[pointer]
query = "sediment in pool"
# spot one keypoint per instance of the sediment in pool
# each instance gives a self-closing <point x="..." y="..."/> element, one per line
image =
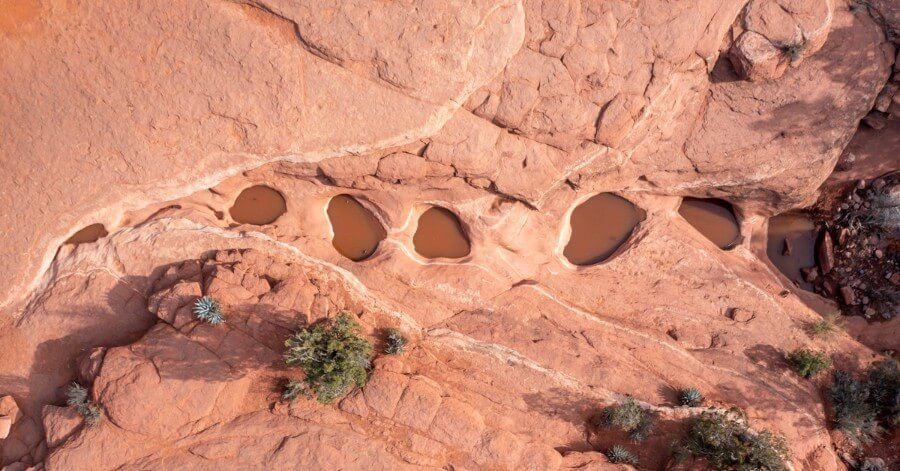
<point x="258" y="205"/>
<point x="791" y="246"/>
<point x="600" y="226"/>
<point x="439" y="234"/>
<point x="714" y="218"/>
<point x="88" y="234"/>
<point x="357" y="232"/>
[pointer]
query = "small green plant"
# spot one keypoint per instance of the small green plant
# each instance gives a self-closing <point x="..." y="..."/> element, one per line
<point x="727" y="443"/>
<point x="395" y="342"/>
<point x="333" y="356"/>
<point x="829" y="324"/>
<point x="808" y="363"/>
<point x="77" y="397"/>
<point x="691" y="397"/>
<point x="853" y="413"/>
<point x="873" y="464"/>
<point x="620" y="454"/>
<point x="208" y="309"/>
<point x="629" y="417"/>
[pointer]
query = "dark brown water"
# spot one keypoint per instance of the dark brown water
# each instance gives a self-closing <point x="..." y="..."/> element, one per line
<point x="714" y="219"/>
<point x="357" y="232"/>
<point x="88" y="234"/>
<point x="258" y="205"/>
<point x="798" y="233"/>
<point x="600" y="226"/>
<point x="440" y="234"/>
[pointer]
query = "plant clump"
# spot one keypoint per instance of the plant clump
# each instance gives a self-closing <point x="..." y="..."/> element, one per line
<point x="808" y="363"/>
<point x="862" y="408"/>
<point x="873" y="464"/>
<point x="794" y="50"/>
<point x="691" y="397"/>
<point x="620" y="454"/>
<point x="395" y="342"/>
<point x="629" y="417"/>
<point x="334" y="357"/>
<point x="77" y="397"/>
<point x="208" y="310"/>
<point x="726" y="442"/>
<point x="829" y="324"/>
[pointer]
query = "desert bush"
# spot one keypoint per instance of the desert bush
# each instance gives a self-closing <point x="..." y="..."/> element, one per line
<point x="77" y="397"/>
<point x="853" y="413"/>
<point x="691" y="397"/>
<point x="808" y="363"/>
<point x="208" y="309"/>
<point x="629" y="417"/>
<point x="333" y="356"/>
<point x="727" y="443"/>
<point x="395" y="342"/>
<point x="829" y="324"/>
<point x="620" y="454"/>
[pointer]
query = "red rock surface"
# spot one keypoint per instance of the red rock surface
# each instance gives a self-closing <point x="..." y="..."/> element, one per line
<point x="151" y="117"/>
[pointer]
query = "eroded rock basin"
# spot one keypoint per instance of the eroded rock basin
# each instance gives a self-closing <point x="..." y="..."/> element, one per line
<point x="439" y="234"/>
<point x="258" y="205"/>
<point x="714" y="218"/>
<point x="357" y="232"/>
<point x="791" y="246"/>
<point x="599" y="226"/>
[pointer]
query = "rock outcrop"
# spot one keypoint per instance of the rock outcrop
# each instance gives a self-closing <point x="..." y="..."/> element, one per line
<point x="151" y="118"/>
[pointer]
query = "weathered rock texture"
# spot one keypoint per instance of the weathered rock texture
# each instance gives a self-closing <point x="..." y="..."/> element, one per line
<point x="151" y="117"/>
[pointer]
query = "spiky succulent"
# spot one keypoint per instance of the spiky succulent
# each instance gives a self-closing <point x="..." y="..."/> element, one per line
<point x="691" y="397"/>
<point x="395" y="342"/>
<point x="208" y="309"/>
<point x="77" y="397"/>
<point x="620" y="454"/>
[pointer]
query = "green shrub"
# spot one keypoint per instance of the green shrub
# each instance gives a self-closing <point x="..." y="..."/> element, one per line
<point x="808" y="363"/>
<point x="395" y="342"/>
<point x="620" y="454"/>
<point x="691" y="397"/>
<point x="77" y="397"/>
<point x="727" y="443"/>
<point x="629" y="417"/>
<point x="853" y="413"/>
<point x="208" y="309"/>
<point x="829" y="324"/>
<point x="333" y="356"/>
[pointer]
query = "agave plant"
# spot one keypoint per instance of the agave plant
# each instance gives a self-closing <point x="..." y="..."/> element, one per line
<point x="620" y="454"/>
<point x="208" y="309"/>
<point x="691" y="397"/>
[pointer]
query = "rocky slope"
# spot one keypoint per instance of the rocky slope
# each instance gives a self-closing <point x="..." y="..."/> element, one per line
<point x="151" y="118"/>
